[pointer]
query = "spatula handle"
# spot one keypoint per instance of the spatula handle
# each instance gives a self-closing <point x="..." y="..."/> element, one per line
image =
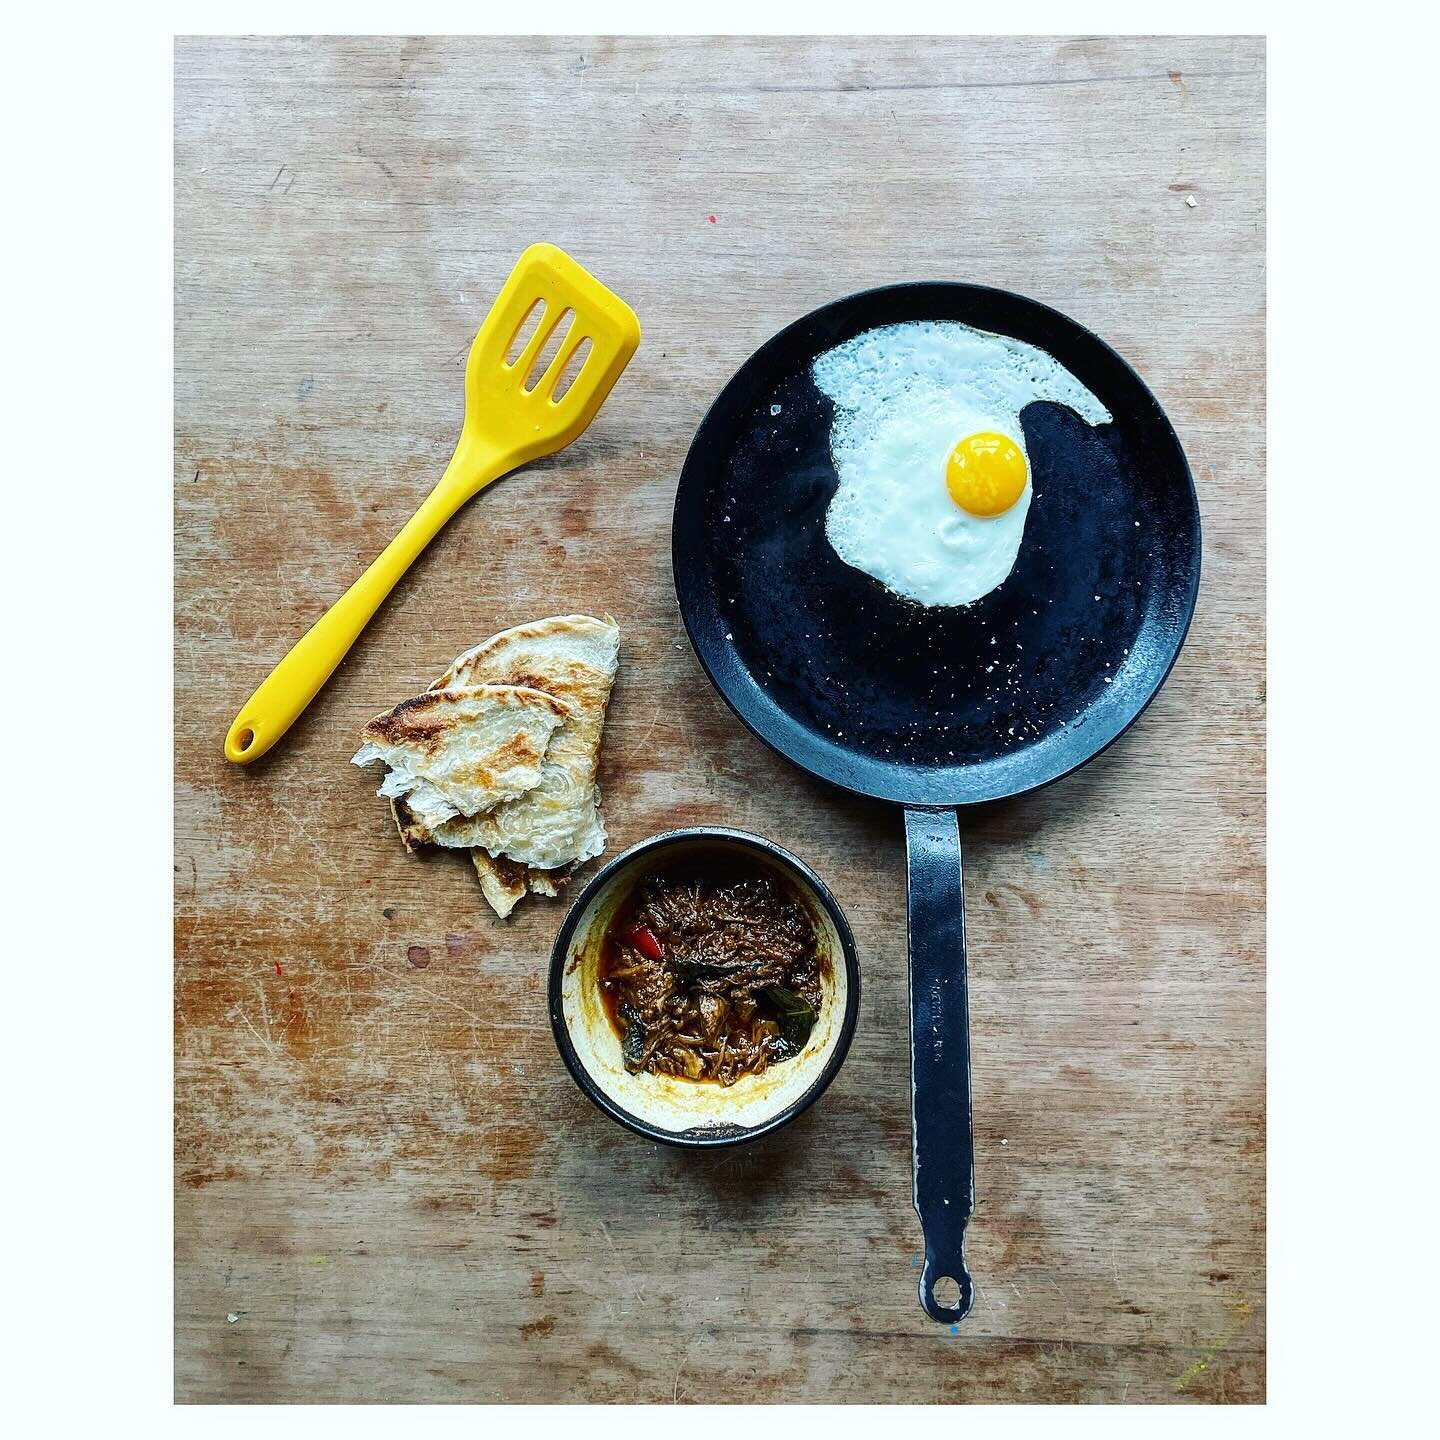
<point x="298" y="678"/>
<point x="940" y="1057"/>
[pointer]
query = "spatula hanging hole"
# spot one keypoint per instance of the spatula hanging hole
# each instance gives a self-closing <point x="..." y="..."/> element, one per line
<point x="947" y="1292"/>
<point x="552" y="343"/>
<point x="245" y="739"/>
<point x="571" y="373"/>
<point x="527" y="328"/>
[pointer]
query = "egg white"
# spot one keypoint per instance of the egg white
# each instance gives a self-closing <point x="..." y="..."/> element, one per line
<point x="905" y="395"/>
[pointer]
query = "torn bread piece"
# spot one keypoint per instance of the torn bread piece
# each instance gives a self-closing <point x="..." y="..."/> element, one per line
<point x="546" y="882"/>
<point x="411" y="831"/>
<point x="557" y="824"/>
<point x="505" y="882"/>
<point x="500" y="870"/>
<point x="455" y="752"/>
<point x="502" y="881"/>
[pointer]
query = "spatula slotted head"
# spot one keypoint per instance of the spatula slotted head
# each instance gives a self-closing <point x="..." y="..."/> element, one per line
<point x="554" y="343"/>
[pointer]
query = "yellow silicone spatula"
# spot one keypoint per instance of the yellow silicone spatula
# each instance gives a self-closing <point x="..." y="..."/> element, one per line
<point x="515" y="411"/>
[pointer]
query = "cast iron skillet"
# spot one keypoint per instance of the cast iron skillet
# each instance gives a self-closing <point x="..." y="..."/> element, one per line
<point x="940" y="707"/>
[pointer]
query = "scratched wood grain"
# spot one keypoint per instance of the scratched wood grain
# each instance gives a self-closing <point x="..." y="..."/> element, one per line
<point x="387" y="1187"/>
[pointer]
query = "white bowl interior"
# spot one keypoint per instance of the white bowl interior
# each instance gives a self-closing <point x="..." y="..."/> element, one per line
<point x="680" y="1106"/>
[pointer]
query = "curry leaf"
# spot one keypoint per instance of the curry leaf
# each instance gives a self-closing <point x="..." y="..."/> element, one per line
<point x="796" y="1017"/>
<point x="634" y="1047"/>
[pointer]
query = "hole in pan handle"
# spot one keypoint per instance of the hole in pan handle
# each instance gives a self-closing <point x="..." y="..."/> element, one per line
<point x="940" y="1060"/>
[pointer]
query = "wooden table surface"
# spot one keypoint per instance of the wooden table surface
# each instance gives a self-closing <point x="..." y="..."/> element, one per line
<point x="387" y="1186"/>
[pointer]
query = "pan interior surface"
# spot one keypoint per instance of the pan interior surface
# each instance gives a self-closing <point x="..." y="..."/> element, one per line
<point x="942" y="705"/>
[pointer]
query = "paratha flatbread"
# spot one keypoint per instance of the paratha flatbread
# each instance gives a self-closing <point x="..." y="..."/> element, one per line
<point x="456" y="752"/>
<point x="572" y="658"/>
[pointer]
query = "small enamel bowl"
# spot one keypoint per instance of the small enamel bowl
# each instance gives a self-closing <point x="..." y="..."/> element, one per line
<point x="687" y="1112"/>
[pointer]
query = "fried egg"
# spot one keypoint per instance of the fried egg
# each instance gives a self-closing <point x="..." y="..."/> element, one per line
<point x="927" y="444"/>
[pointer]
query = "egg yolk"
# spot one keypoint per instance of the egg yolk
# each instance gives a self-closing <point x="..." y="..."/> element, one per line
<point x="985" y="473"/>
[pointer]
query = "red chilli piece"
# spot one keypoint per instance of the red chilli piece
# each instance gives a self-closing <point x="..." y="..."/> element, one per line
<point x="278" y="970"/>
<point x="643" y="939"/>
<point x="711" y="219"/>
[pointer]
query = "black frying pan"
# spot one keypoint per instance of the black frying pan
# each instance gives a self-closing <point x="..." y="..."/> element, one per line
<point x="892" y="700"/>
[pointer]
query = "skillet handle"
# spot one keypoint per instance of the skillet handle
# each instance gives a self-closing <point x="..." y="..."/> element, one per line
<point x="940" y="1055"/>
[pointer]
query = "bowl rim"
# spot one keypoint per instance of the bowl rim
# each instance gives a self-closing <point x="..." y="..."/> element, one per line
<point x="560" y="952"/>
